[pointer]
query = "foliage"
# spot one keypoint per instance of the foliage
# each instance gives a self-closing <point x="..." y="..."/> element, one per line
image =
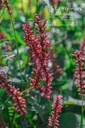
<point x="65" y="27"/>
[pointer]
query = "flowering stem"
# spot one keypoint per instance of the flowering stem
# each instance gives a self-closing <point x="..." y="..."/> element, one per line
<point x="56" y="110"/>
<point x="80" y="79"/>
<point x="81" y="123"/>
<point x="26" y="90"/>
<point x="14" y="120"/>
<point x="0" y="56"/>
<point x="16" y="47"/>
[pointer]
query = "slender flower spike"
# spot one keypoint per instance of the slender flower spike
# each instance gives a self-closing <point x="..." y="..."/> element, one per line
<point x="35" y="52"/>
<point x="56" y="110"/>
<point x="39" y="56"/>
<point x="19" y="102"/>
<point x="79" y="72"/>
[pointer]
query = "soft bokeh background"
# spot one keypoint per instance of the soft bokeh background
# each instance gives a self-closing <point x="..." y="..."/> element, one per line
<point x="65" y="28"/>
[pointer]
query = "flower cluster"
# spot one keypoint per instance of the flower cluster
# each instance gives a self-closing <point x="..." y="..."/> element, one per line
<point x="33" y="43"/>
<point x="19" y="102"/>
<point x="79" y="73"/>
<point x="35" y="82"/>
<point x="82" y="45"/>
<point x="2" y="35"/>
<point x="39" y="56"/>
<point x="56" y="109"/>
<point x="5" y="3"/>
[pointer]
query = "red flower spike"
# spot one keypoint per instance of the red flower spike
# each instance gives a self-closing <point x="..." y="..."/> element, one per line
<point x="56" y="110"/>
<point x="19" y="102"/>
<point x="2" y="36"/>
<point x="39" y="56"/>
<point x="79" y="73"/>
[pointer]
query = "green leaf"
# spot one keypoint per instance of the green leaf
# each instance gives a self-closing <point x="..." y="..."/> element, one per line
<point x="70" y="120"/>
<point x="20" y="38"/>
<point x="39" y="110"/>
<point x="2" y="12"/>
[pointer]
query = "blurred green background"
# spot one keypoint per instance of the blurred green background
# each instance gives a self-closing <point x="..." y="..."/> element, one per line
<point x="65" y="27"/>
